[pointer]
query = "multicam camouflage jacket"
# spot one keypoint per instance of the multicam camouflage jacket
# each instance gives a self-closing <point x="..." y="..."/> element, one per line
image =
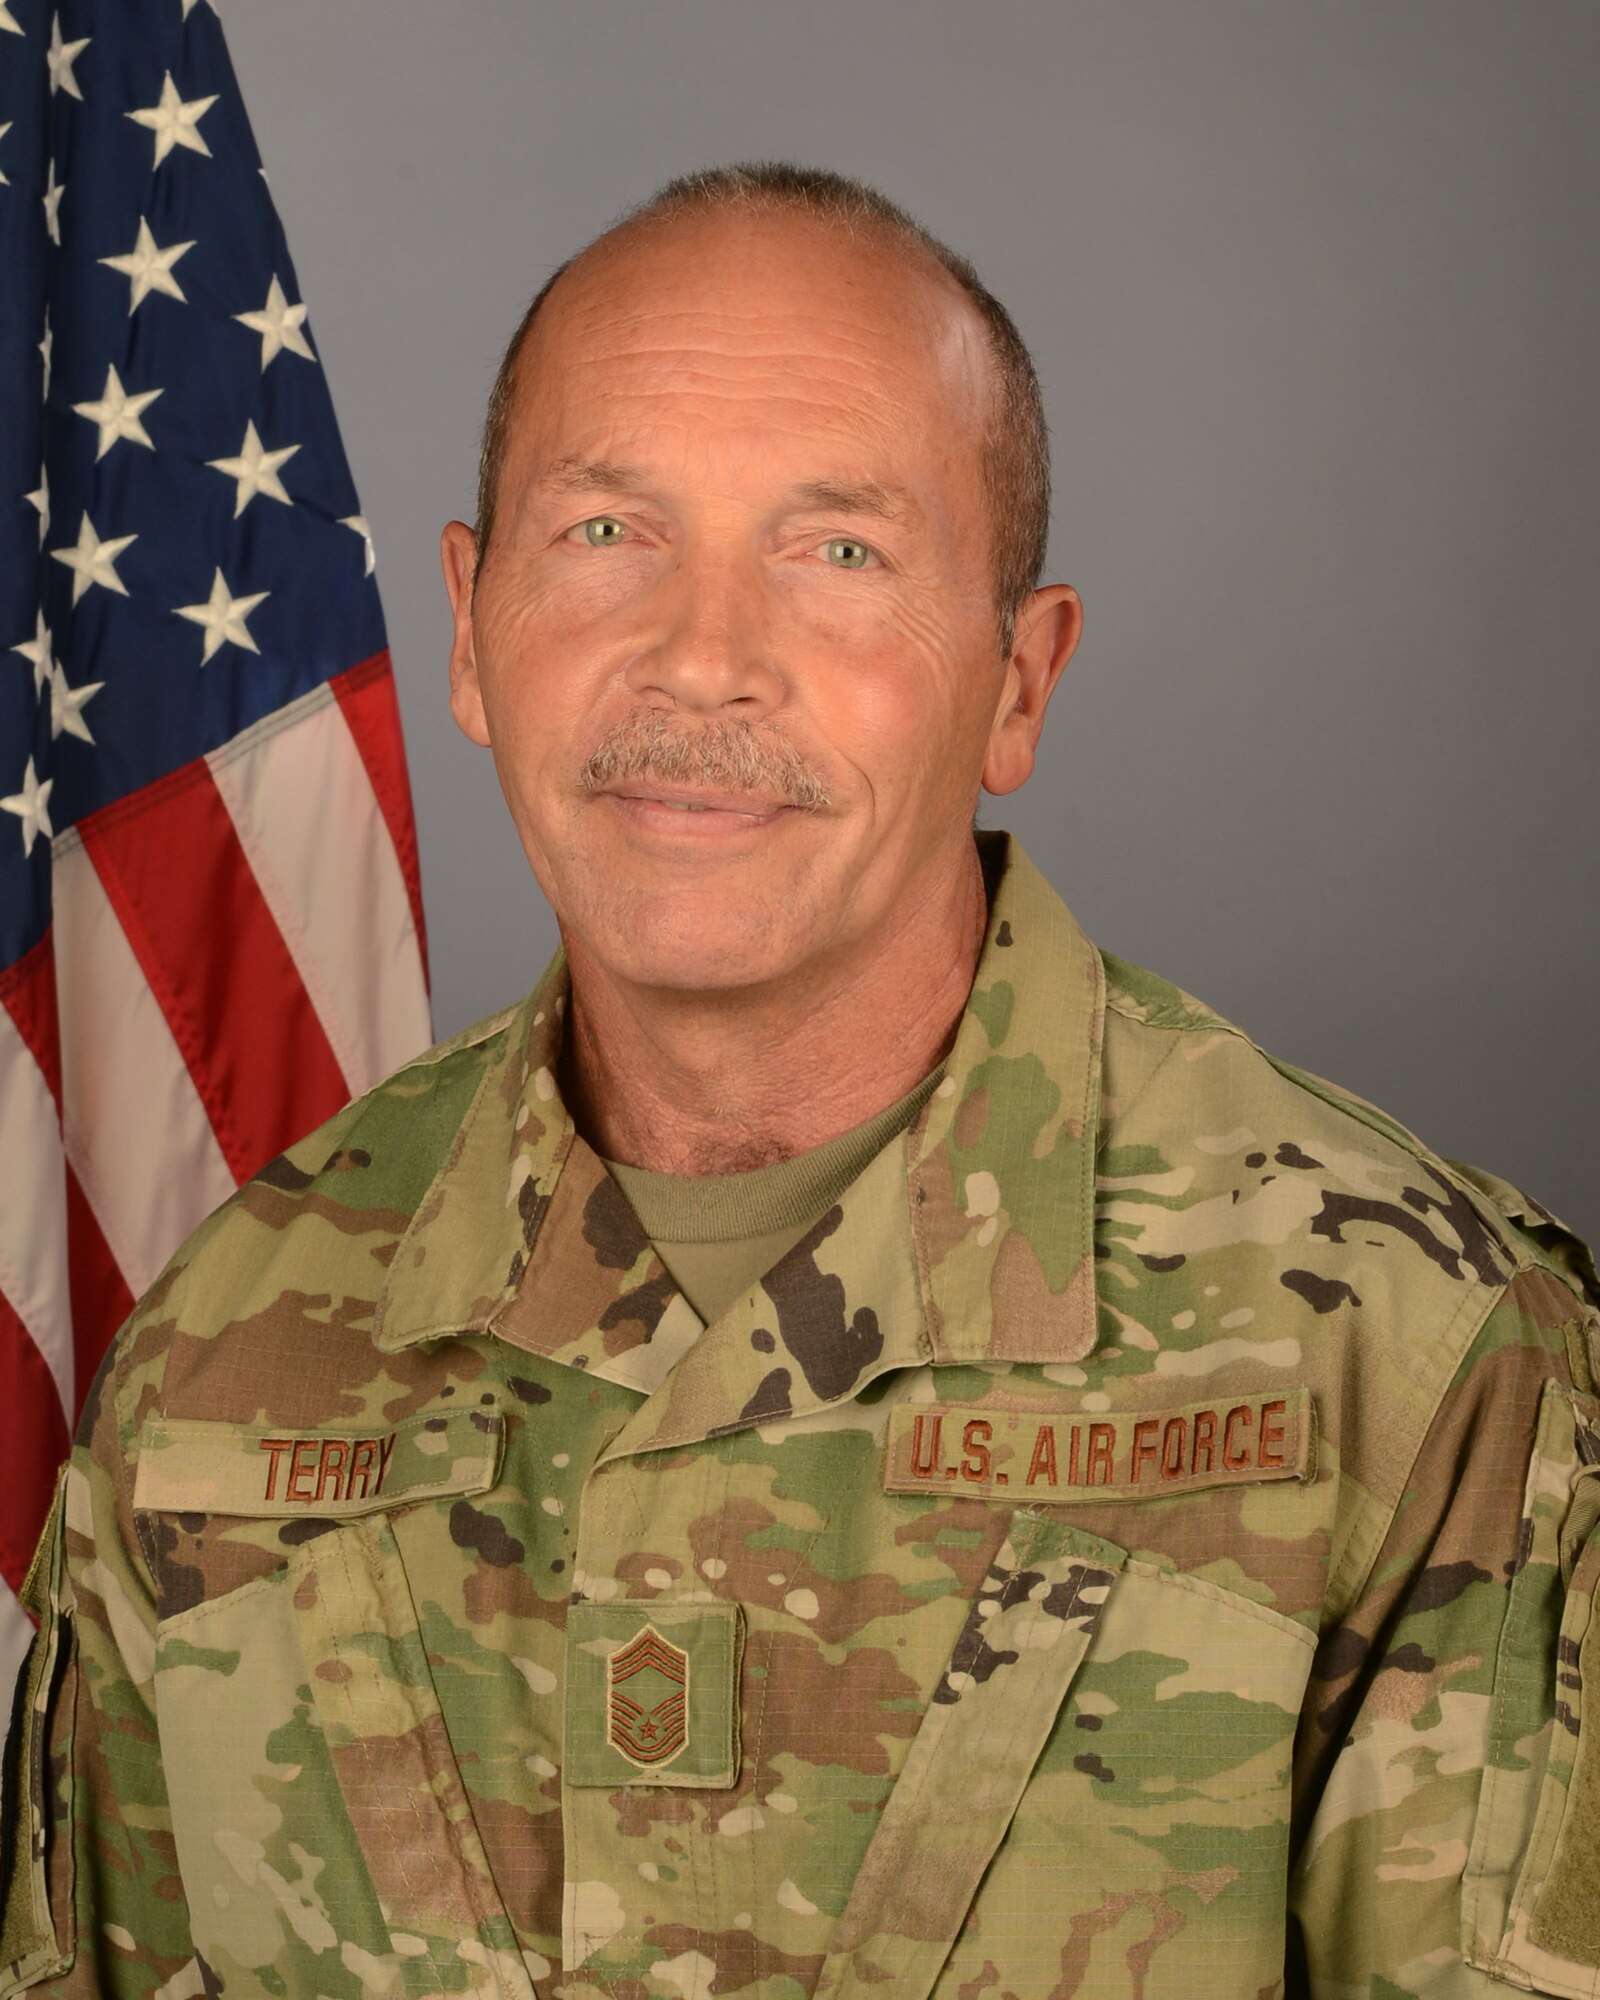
<point x="1142" y="1541"/>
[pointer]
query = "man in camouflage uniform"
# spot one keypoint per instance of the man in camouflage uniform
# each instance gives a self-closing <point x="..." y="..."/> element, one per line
<point x="1122" y="1519"/>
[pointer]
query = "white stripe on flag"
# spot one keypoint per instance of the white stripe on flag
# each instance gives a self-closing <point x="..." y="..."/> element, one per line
<point x="339" y="900"/>
<point x="16" y="1630"/>
<point x="136" y="1131"/>
<point x="33" y="1224"/>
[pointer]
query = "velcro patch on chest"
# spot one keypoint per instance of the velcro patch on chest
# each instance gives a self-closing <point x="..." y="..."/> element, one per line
<point x="251" y="1469"/>
<point x="653" y="1694"/>
<point x="1067" y="1455"/>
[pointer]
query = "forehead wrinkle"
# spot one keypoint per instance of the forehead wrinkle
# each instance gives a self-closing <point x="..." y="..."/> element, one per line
<point x="574" y="473"/>
<point x="881" y="292"/>
<point x="627" y="440"/>
<point x="790" y="373"/>
<point x="730" y="320"/>
<point x="856" y="461"/>
<point x="742" y="345"/>
<point x="772" y="398"/>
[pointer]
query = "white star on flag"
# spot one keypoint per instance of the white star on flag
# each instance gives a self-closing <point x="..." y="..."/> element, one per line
<point x="32" y="807"/>
<point x="173" y="122"/>
<point x="67" y="705"/>
<point x="359" y="523"/>
<point x="255" y="470"/>
<point x="149" y="268"/>
<point x="61" y="56"/>
<point x="40" y="498"/>
<point x="8" y="20"/>
<point x="53" y="191"/>
<point x="46" y="347"/>
<point x="38" y="650"/>
<point x="91" y="561"/>
<point x="4" y="129"/>
<point x="117" y="414"/>
<point x="222" y="617"/>
<point x="278" y="324"/>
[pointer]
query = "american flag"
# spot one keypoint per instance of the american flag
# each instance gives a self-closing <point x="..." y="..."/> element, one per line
<point x="210" y="918"/>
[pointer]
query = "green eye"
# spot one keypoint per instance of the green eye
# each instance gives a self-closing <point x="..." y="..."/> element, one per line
<point x="602" y="531"/>
<point x="845" y="553"/>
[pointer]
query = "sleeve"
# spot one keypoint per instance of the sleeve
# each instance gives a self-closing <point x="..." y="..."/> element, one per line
<point x="1449" y="1754"/>
<point x="93" y="1904"/>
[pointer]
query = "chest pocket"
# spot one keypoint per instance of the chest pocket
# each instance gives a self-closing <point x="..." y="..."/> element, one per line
<point x="323" y="1834"/>
<point x="1098" y="1799"/>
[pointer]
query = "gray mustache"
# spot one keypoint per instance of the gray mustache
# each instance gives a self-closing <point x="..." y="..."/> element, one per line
<point x="727" y="756"/>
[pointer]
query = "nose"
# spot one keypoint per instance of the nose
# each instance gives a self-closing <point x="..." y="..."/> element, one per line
<point x="711" y="648"/>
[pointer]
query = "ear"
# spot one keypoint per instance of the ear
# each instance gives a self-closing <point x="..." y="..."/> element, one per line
<point x="1049" y="625"/>
<point x="458" y="552"/>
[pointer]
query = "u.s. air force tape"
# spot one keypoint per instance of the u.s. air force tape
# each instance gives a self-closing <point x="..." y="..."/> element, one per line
<point x="1064" y="1455"/>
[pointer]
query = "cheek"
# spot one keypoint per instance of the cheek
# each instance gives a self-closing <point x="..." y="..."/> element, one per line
<point x="918" y="670"/>
<point x="534" y="602"/>
<point x="906" y="725"/>
<point x="537" y="674"/>
<point x="566" y="586"/>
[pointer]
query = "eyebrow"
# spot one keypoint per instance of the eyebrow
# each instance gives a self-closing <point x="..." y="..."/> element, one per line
<point x="575" y="474"/>
<point x="591" y="475"/>
<point x="863" y="496"/>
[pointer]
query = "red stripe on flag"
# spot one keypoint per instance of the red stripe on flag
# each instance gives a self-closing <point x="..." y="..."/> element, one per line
<point x="184" y="892"/>
<point x="101" y="1300"/>
<point x="28" y="994"/>
<point x="367" y="697"/>
<point x="33" y="1442"/>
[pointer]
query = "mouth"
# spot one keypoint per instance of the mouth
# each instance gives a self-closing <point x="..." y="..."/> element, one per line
<point x="693" y="821"/>
<point x="696" y="799"/>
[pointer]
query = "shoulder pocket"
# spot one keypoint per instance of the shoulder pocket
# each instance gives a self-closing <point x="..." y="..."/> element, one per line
<point x="1564" y="1859"/>
<point x="1530" y="1904"/>
<point x="36" y="1935"/>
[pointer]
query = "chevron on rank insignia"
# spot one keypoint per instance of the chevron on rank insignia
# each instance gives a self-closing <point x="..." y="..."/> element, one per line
<point x="647" y="1700"/>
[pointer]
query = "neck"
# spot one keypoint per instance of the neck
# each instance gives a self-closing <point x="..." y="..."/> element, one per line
<point x="688" y="1082"/>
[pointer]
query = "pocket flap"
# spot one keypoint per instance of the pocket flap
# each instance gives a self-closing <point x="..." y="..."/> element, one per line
<point x="187" y="1467"/>
<point x="970" y="1761"/>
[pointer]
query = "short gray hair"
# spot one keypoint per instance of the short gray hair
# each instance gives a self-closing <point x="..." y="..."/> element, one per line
<point x="1016" y="458"/>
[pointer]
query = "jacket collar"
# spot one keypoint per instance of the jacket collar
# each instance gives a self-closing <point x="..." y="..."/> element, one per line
<point x="971" y="1239"/>
<point x="1001" y="1165"/>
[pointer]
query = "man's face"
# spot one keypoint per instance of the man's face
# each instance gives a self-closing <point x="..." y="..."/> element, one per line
<point x="734" y="644"/>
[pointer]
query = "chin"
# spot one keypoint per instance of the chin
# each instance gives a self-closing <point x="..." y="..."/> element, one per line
<point x="699" y="938"/>
<point x="700" y="949"/>
<point x="705" y="965"/>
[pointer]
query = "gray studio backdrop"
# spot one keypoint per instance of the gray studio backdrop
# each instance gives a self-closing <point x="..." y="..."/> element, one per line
<point x="1313" y="289"/>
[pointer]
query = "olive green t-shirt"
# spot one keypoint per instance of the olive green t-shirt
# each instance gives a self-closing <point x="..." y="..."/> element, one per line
<point x="718" y="1233"/>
